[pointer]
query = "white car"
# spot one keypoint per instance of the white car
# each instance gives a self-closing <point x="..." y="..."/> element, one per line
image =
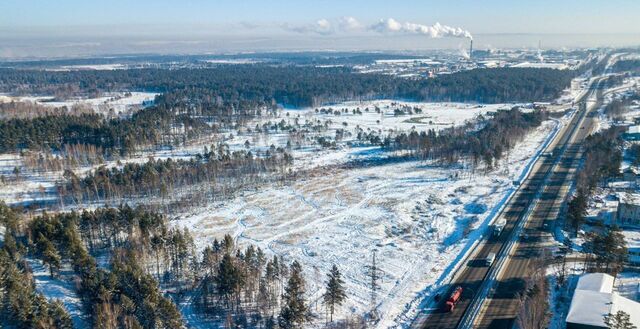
<point x="490" y="258"/>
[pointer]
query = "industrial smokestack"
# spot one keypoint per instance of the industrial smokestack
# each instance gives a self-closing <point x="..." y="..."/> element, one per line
<point x="471" y="49"/>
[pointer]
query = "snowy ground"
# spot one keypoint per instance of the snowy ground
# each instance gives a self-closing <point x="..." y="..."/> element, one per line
<point x="116" y="103"/>
<point x="627" y="284"/>
<point x="31" y="186"/>
<point x="417" y="218"/>
<point x="26" y="187"/>
<point x="62" y="288"/>
<point x="434" y="116"/>
<point x="629" y="86"/>
<point x="560" y="295"/>
<point x="600" y="205"/>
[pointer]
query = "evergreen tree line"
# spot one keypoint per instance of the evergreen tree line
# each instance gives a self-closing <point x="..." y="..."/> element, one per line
<point x="294" y="85"/>
<point x="627" y="65"/>
<point x="606" y="251"/>
<point x="21" y="306"/>
<point x="123" y="296"/>
<point x="602" y="158"/>
<point x="484" y="140"/>
<point x="243" y="287"/>
<point x="197" y="101"/>
<point x="249" y="289"/>
<point x="160" y="177"/>
<point x="150" y="126"/>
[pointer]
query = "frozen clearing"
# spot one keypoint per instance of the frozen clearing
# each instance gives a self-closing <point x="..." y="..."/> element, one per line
<point x="416" y="216"/>
<point x="31" y="186"/>
<point x="62" y="288"/>
<point x="115" y="103"/>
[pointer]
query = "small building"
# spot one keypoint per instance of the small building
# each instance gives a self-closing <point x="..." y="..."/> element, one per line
<point x="594" y="298"/>
<point x="633" y="133"/>
<point x="628" y="210"/>
<point x="632" y="238"/>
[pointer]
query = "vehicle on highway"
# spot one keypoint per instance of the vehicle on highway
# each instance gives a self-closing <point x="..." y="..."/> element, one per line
<point x="455" y="297"/>
<point x="490" y="258"/>
<point x="498" y="226"/>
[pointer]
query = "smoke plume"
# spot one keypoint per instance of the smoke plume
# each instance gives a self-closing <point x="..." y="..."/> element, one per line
<point x="349" y="24"/>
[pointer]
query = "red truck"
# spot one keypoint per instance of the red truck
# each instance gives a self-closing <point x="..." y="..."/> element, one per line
<point x="450" y="304"/>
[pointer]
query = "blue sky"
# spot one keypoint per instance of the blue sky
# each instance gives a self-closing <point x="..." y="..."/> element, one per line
<point x="486" y="16"/>
<point x="119" y="26"/>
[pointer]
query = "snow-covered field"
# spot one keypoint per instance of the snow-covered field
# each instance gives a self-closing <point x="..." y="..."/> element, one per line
<point x="115" y="103"/>
<point x="627" y="284"/>
<point x="62" y="288"/>
<point x="558" y="66"/>
<point x="416" y="216"/>
<point x="25" y="186"/>
<point x="38" y="186"/>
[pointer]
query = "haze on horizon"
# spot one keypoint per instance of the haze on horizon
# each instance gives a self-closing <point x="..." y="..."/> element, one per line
<point x="67" y="28"/>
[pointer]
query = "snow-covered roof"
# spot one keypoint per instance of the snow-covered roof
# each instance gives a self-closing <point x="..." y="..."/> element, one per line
<point x="589" y="307"/>
<point x="628" y="306"/>
<point x="629" y="198"/>
<point x="633" y="129"/>
<point x="599" y="282"/>
<point x="594" y="298"/>
<point x="632" y="238"/>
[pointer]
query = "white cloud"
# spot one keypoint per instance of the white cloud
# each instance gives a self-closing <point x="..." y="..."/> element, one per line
<point x="349" y="23"/>
<point x="322" y="26"/>
<point x="437" y="30"/>
<point x="386" y="25"/>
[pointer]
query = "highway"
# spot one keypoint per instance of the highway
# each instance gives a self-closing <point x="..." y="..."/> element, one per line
<point x="500" y="308"/>
<point x="490" y="293"/>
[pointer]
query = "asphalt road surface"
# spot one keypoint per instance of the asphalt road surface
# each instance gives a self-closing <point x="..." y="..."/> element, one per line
<point x="543" y="192"/>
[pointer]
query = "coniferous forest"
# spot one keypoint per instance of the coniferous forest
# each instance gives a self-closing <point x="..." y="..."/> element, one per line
<point x="318" y="164"/>
<point x="109" y="225"/>
<point x="121" y="256"/>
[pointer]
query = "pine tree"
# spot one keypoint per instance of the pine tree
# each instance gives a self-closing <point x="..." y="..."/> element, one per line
<point x="228" y="279"/>
<point x="61" y="318"/>
<point x="616" y="251"/>
<point x="576" y="210"/>
<point x="335" y="294"/>
<point x="294" y="312"/>
<point x="620" y="320"/>
<point x="49" y="254"/>
<point x="228" y="244"/>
